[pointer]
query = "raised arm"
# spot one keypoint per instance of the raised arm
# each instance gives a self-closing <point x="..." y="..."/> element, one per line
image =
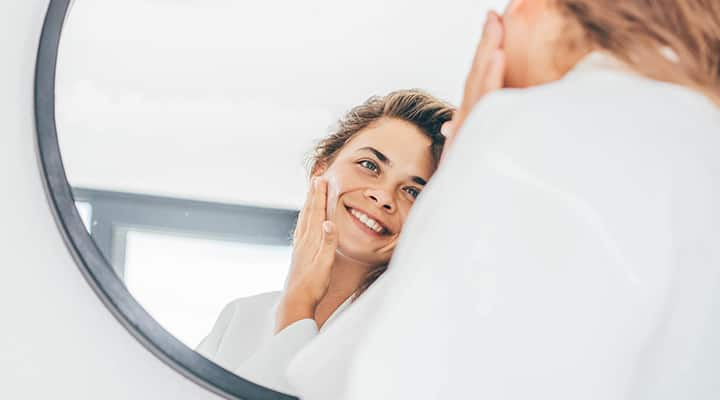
<point x="315" y="242"/>
<point x="485" y="76"/>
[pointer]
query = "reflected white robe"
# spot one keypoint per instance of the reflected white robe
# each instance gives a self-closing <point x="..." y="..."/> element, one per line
<point x="568" y="248"/>
<point x="242" y="340"/>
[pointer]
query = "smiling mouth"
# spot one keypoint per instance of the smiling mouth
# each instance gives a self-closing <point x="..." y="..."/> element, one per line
<point x="369" y="224"/>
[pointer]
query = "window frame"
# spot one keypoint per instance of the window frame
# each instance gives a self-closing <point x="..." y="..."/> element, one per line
<point x="114" y="214"/>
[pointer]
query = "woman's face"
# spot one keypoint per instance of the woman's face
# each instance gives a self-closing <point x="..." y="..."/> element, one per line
<point x="372" y="183"/>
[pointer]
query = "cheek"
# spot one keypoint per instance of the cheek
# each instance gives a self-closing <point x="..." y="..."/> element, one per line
<point x="403" y="215"/>
<point x="515" y="45"/>
<point x="336" y="188"/>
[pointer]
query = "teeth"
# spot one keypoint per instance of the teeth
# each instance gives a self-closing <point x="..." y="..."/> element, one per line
<point x="369" y="222"/>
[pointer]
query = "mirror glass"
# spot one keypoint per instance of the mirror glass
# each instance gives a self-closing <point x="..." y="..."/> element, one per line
<point x="185" y="126"/>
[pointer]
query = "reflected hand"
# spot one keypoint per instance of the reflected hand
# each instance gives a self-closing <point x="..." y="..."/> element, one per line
<point x="315" y="243"/>
<point x="486" y="74"/>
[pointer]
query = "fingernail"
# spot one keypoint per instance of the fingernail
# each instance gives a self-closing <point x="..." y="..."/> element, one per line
<point x="445" y="129"/>
<point x="327" y="226"/>
<point x="492" y="16"/>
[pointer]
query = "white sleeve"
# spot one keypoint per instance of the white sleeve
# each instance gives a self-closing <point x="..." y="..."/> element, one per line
<point x="268" y="365"/>
<point x="541" y="260"/>
<point x="210" y="345"/>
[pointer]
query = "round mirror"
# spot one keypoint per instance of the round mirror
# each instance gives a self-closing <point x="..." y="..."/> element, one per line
<point x="185" y="130"/>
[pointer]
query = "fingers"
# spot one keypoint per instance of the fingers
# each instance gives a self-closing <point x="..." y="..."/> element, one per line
<point x="491" y="41"/>
<point x="302" y="221"/>
<point x="448" y="130"/>
<point x="486" y="74"/>
<point x="313" y="213"/>
<point x="320" y="200"/>
<point x="492" y="32"/>
<point x="326" y="253"/>
<point x="491" y="38"/>
<point x="496" y="72"/>
<point x="388" y="248"/>
<point x="316" y="210"/>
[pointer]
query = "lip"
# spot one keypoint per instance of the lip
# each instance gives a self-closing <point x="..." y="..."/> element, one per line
<point x="365" y="228"/>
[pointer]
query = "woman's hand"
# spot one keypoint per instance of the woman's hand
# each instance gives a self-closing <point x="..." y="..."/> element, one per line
<point x="486" y="74"/>
<point x="315" y="242"/>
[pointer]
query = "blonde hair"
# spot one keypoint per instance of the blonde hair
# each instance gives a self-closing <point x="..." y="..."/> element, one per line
<point x="674" y="41"/>
<point x="419" y="108"/>
<point x="412" y="105"/>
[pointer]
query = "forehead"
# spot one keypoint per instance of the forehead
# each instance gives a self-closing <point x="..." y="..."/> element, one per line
<point x="403" y="143"/>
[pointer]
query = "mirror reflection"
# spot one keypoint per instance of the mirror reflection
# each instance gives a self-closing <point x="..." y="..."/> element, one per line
<point x="190" y="133"/>
<point x="250" y="170"/>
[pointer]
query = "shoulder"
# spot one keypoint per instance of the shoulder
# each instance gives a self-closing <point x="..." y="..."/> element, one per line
<point x="596" y="93"/>
<point x="597" y="110"/>
<point x="605" y="145"/>
<point x="242" y="326"/>
<point x="256" y="304"/>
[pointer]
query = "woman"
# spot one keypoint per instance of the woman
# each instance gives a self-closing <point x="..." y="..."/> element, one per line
<point x="577" y="255"/>
<point x="365" y="178"/>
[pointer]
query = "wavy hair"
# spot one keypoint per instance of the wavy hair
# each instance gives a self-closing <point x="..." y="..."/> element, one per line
<point x="674" y="41"/>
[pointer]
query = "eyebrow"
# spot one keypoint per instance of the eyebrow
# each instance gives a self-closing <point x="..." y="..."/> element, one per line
<point x="419" y="180"/>
<point x="380" y="156"/>
<point x="383" y="159"/>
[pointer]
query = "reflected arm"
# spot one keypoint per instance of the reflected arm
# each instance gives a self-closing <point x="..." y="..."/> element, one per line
<point x="211" y="344"/>
<point x="268" y="364"/>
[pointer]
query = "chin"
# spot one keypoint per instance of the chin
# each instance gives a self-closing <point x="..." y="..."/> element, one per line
<point x="362" y="256"/>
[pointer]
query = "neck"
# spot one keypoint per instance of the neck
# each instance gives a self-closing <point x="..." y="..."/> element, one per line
<point x="346" y="276"/>
<point x="564" y="61"/>
<point x="558" y="45"/>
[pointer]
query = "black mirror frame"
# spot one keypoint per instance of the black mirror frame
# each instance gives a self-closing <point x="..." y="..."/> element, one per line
<point x="97" y="271"/>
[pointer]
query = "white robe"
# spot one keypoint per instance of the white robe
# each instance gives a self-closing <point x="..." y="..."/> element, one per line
<point x="568" y="248"/>
<point x="242" y="340"/>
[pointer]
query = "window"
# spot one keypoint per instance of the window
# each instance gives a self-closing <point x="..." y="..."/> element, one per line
<point x="183" y="260"/>
<point x="184" y="282"/>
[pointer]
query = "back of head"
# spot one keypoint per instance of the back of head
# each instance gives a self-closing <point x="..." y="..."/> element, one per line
<point x="674" y="41"/>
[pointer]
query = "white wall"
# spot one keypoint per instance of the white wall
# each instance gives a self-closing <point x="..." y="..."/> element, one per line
<point x="222" y="100"/>
<point x="58" y="341"/>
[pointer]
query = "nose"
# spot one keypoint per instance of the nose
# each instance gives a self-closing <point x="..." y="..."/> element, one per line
<point x="382" y="199"/>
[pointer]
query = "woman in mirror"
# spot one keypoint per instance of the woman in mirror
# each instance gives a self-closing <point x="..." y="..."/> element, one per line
<point x="365" y="178"/>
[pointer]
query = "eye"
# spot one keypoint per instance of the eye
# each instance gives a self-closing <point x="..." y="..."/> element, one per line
<point x="367" y="164"/>
<point x="414" y="192"/>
